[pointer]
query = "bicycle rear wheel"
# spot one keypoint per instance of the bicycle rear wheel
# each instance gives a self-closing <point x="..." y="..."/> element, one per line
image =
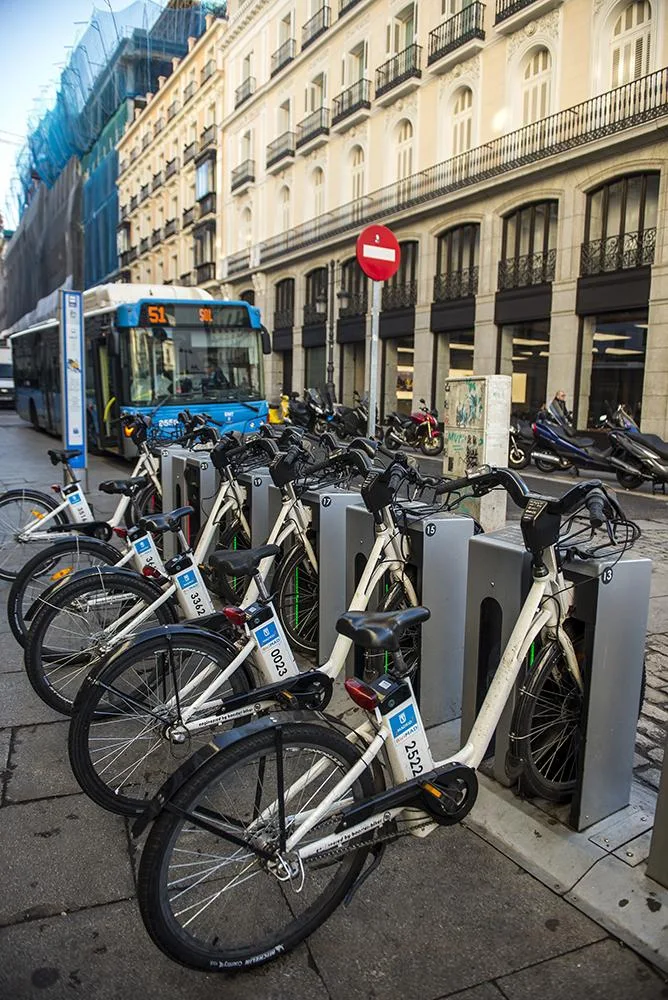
<point x="122" y="740"/>
<point x="212" y="904"/>
<point x="17" y="509"/>
<point x="297" y="604"/>
<point x="396" y="598"/>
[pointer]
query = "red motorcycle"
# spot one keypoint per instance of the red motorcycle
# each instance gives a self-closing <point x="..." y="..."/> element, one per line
<point x="420" y="430"/>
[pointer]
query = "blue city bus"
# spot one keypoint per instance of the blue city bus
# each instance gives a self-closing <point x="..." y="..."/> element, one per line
<point x="149" y="348"/>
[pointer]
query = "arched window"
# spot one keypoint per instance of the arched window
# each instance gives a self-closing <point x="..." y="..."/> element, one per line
<point x="357" y="171"/>
<point x="318" y="180"/>
<point x="462" y="120"/>
<point x="284" y="209"/>
<point x="631" y="43"/>
<point x="536" y="85"/>
<point x="246" y="227"/>
<point x="404" y="149"/>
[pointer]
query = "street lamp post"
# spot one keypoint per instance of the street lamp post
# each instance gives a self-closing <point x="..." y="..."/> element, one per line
<point x="325" y="306"/>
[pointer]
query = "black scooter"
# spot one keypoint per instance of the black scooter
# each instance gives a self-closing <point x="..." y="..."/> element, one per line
<point x="645" y="457"/>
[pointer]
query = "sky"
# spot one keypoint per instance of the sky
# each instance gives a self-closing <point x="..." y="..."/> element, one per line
<point x="34" y="36"/>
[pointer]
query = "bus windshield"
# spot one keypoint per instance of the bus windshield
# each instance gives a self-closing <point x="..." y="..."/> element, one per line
<point x="194" y="365"/>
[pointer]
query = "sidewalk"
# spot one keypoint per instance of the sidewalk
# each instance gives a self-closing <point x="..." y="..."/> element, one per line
<point x="452" y="916"/>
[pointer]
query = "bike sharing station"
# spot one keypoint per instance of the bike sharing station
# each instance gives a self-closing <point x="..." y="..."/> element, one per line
<point x="188" y="478"/>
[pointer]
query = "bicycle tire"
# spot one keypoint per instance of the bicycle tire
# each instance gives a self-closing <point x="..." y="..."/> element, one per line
<point x="297" y="601"/>
<point x="40" y="572"/>
<point x="113" y="694"/>
<point x="42" y="661"/>
<point x="395" y="599"/>
<point x="147" y="502"/>
<point x="253" y="915"/>
<point x="28" y="501"/>
<point x="235" y="537"/>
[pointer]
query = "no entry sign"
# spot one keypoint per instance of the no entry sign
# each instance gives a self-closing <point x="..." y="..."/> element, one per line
<point x="378" y="252"/>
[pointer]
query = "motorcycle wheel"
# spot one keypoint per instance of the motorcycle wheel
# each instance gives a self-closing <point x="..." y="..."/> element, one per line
<point x="628" y="480"/>
<point x="544" y="466"/>
<point x="432" y="445"/>
<point x="389" y="441"/>
<point x="518" y="457"/>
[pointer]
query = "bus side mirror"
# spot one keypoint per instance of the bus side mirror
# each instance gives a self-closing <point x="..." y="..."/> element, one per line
<point x="114" y="342"/>
<point x="266" y="340"/>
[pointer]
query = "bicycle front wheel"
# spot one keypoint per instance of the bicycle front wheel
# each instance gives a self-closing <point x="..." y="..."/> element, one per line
<point x="78" y="624"/>
<point x="19" y="508"/>
<point x="214" y="905"/>
<point x="127" y="735"/>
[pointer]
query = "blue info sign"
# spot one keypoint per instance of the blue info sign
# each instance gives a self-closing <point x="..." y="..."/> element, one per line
<point x="73" y="384"/>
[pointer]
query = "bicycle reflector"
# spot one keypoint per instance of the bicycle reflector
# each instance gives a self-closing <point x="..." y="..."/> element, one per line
<point x="152" y="572"/>
<point x="121" y="532"/>
<point x="363" y="696"/>
<point x="235" y="615"/>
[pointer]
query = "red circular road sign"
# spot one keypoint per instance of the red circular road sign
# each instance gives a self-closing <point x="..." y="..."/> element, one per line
<point x="378" y="252"/>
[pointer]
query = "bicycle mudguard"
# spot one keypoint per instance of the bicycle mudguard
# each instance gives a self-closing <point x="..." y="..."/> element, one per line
<point x="222" y="741"/>
<point x="172" y="631"/>
<point x="93" y="572"/>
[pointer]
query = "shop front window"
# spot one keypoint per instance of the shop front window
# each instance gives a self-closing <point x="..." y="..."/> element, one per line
<point x="315" y="365"/>
<point x="618" y="364"/>
<point x="524" y="351"/>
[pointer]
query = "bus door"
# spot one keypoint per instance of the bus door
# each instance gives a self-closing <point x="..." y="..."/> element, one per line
<point x="104" y="371"/>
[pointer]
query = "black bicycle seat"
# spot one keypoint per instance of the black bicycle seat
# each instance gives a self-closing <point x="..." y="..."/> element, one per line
<point x="62" y="456"/>
<point x="380" y="629"/>
<point x="244" y="562"/>
<point x="159" y="523"/>
<point x="124" y="487"/>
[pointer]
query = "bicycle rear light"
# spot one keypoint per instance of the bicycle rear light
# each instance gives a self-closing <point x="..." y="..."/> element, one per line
<point x="121" y="532"/>
<point x="235" y="615"/>
<point x="56" y="487"/>
<point x="151" y="572"/>
<point x="363" y="696"/>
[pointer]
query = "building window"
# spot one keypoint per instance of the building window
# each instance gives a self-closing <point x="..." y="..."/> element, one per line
<point x="404" y="149"/>
<point x="246" y="228"/>
<point x="247" y="146"/>
<point x="528" y="251"/>
<point x="315" y="95"/>
<point x="620" y="225"/>
<point x="284" y="315"/>
<point x="631" y="43"/>
<point x="536" y="85"/>
<point x="204" y="246"/>
<point x="318" y="178"/>
<point x="205" y="181"/>
<point x="400" y="292"/>
<point x="457" y="263"/>
<point x="284" y="209"/>
<point x="401" y="30"/>
<point x="357" y="172"/>
<point x="462" y="120"/>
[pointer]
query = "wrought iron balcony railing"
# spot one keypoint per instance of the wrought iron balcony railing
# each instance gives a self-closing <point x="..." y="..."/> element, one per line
<point x="346" y="5"/>
<point x="134" y="153"/>
<point x="134" y="201"/>
<point x="189" y="215"/>
<point x="400" y="296"/>
<point x="506" y="8"/>
<point x="311" y="315"/>
<point x="401" y="67"/>
<point x="170" y="168"/>
<point x="207" y="137"/>
<point x="618" y="253"/>
<point x="316" y="26"/>
<point x="172" y="110"/>
<point x="144" y="192"/>
<point x="283" y="55"/>
<point x="187" y="278"/>
<point x="157" y="181"/>
<point x="207" y="204"/>
<point x="122" y="166"/>
<point x="208" y="70"/>
<point x="189" y="152"/>
<point x="531" y="269"/>
<point x="243" y="174"/>
<point x="314" y="124"/>
<point x="284" y="318"/>
<point x="245" y="90"/>
<point x="358" y="305"/>
<point x="158" y="126"/>
<point x="144" y="245"/>
<point x="456" y="284"/>
<point x="156" y="237"/>
<point x="636" y="103"/>
<point x="351" y="100"/>
<point x="281" y="147"/>
<point x="457" y="30"/>
<point x="206" y="271"/>
<point x="124" y="211"/>
<point x="170" y="228"/>
<point x="238" y="262"/>
<point x="146" y="141"/>
<point x="189" y="92"/>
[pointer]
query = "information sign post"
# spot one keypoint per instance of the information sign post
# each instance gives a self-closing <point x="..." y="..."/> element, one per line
<point x="73" y="383"/>
<point x="379" y="256"/>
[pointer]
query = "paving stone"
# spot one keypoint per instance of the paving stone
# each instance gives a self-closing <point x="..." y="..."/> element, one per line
<point x="39" y="766"/>
<point x="651" y="776"/>
<point x="53" y="861"/>
<point x="19" y="705"/>
<point x="5" y="744"/>
<point x="580" y="974"/>
<point x="486" y="991"/>
<point x="490" y="918"/>
<point x="105" y="954"/>
<point x="11" y="655"/>
<point x="657" y="754"/>
<point x="652" y="731"/>
<point x="655" y="712"/>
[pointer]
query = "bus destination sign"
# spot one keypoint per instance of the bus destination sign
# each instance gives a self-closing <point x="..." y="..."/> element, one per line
<point x="185" y="314"/>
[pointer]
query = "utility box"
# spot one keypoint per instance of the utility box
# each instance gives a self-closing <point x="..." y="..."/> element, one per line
<point x="476" y="426"/>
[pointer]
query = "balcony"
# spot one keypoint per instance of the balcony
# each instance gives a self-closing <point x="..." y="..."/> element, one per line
<point x="146" y="141"/>
<point x="189" y="92"/>
<point x="279" y="150"/>
<point x="283" y="55"/>
<point x="207" y="204"/>
<point x="514" y="14"/>
<point x="642" y="102"/>
<point x="144" y="192"/>
<point x="315" y="27"/>
<point x="128" y="256"/>
<point x="245" y="90"/>
<point x="238" y="262"/>
<point x="456" y="285"/>
<point x="242" y="176"/>
<point x="134" y="201"/>
<point x="144" y="245"/>
<point x="457" y="39"/>
<point x="170" y="228"/>
<point x="171" y="167"/>
<point x="122" y="167"/>
<point x="124" y="212"/>
<point x="208" y="137"/>
<point x="208" y="70"/>
<point x="399" y="296"/>
<point x="158" y="127"/>
<point x="187" y="278"/>
<point x="399" y="76"/>
<point x="134" y="153"/>
<point x="284" y="319"/>
<point x="531" y="269"/>
<point x="351" y="106"/>
<point x="312" y="131"/>
<point x="157" y="181"/>
<point x="346" y="5"/>
<point x="205" y="272"/>
<point x="618" y="253"/>
<point x="312" y="317"/>
<point x="189" y="216"/>
<point x="189" y="152"/>
<point x="172" y="110"/>
<point x="156" y="237"/>
<point x="357" y="305"/>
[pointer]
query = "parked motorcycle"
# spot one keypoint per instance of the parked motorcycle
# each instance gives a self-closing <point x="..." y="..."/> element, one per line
<point x="645" y="457"/>
<point x="521" y="443"/>
<point x="420" y="430"/>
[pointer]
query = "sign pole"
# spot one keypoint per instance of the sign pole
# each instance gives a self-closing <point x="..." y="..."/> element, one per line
<point x="72" y="361"/>
<point x="373" y="361"/>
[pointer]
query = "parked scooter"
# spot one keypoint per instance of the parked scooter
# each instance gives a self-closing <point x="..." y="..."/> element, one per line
<point x="420" y="430"/>
<point x="520" y="444"/>
<point x="645" y="456"/>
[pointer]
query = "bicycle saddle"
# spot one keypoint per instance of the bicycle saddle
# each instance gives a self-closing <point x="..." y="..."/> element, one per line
<point x="159" y="523"/>
<point x="62" y="456"/>
<point x="380" y="629"/>
<point x="244" y="562"/>
<point x="126" y="487"/>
